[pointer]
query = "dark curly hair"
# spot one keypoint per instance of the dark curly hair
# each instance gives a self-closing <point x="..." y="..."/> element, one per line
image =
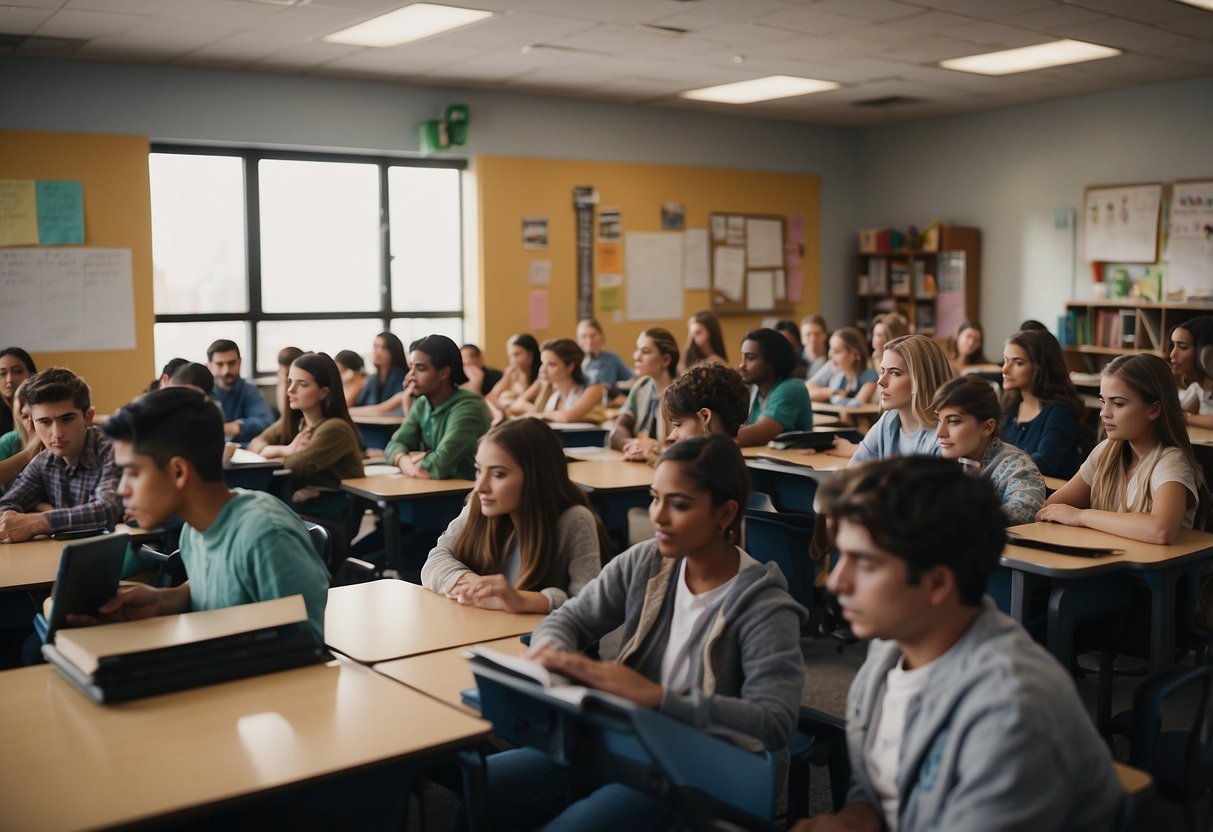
<point x="714" y="386"/>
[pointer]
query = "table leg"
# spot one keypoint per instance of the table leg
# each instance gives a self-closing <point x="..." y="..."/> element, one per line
<point x="390" y="522"/>
<point x="1162" y="617"/>
<point x="1018" y="594"/>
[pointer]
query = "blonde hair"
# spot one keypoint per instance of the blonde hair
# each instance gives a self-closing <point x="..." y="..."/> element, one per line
<point x="895" y="326"/>
<point x="1150" y="378"/>
<point x="928" y="367"/>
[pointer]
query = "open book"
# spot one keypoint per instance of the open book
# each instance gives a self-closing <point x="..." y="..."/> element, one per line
<point x="113" y="662"/>
<point x="554" y="684"/>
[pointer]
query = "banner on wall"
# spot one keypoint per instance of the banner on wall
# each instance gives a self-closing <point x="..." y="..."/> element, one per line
<point x="584" y="198"/>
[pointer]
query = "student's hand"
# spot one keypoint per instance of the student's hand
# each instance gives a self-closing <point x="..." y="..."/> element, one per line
<point x="489" y="592"/>
<point x="133" y="601"/>
<point x="854" y="817"/>
<point x="300" y="441"/>
<point x="605" y="676"/>
<point x="16" y="527"/>
<point x="410" y="465"/>
<point x="1060" y="513"/>
<point x="639" y="449"/>
<point x="231" y="428"/>
<point x="843" y="447"/>
<point x="41" y="507"/>
<point x="32" y="448"/>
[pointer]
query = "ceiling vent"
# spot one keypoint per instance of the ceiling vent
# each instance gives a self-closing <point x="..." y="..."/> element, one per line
<point x="889" y="101"/>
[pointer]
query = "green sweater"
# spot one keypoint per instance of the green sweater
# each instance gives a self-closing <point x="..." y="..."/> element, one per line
<point x="448" y="432"/>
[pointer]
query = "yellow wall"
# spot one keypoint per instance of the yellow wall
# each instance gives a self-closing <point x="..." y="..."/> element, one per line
<point x="117" y="214"/>
<point x="511" y="188"/>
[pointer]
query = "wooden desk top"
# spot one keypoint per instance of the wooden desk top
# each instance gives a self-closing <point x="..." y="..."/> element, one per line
<point x="852" y="410"/>
<point x="379" y="419"/>
<point x="1190" y="545"/>
<point x="35" y="563"/>
<point x="575" y="427"/>
<point x="1054" y="483"/>
<point x="400" y="487"/>
<point x="71" y="764"/>
<point x="593" y="455"/>
<point x="243" y="458"/>
<point x="611" y="475"/>
<point x="445" y="674"/>
<point x="789" y="457"/>
<point x="389" y="619"/>
<point x="1134" y="781"/>
<point x="1200" y="436"/>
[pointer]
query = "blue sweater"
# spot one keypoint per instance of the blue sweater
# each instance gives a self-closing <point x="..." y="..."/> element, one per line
<point x="1051" y="439"/>
<point x="243" y="401"/>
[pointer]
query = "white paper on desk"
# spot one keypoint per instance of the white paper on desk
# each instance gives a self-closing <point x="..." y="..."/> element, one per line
<point x="728" y="271"/>
<point x="764" y="243"/>
<point x="695" y="273"/>
<point x="760" y="291"/>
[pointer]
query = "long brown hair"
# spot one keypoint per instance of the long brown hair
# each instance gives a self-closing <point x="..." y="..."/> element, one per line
<point x="325" y="371"/>
<point x="708" y="320"/>
<point x="547" y="492"/>
<point x="1050" y="378"/>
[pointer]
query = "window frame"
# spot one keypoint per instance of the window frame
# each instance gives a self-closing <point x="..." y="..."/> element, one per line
<point x="256" y="314"/>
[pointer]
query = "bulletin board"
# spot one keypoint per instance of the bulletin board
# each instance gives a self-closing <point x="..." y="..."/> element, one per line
<point x="1189" y="247"/>
<point x="1120" y="222"/>
<point x="749" y="270"/>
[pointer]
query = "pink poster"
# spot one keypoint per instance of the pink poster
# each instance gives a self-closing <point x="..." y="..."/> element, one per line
<point x="539" y="309"/>
<point x="795" y="287"/>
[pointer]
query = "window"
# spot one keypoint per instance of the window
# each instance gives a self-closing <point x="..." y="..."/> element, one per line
<point x="318" y="251"/>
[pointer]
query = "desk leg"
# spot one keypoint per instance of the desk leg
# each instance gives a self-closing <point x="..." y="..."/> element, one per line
<point x="1018" y="594"/>
<point x="1162" y="617"/>
<point x="390" y="521"/>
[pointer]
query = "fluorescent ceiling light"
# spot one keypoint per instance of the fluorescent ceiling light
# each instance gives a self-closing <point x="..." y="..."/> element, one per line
<point x="420" y="20"/>
<point x="1200" y="4"/>
<point x="759" y="89"/>
<point x="1028" y="58"/>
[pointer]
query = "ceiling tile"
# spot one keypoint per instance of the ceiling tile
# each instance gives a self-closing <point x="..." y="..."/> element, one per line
<point x="192" y="35"/>
<point x="999" y="9"/>
<point x="1200" y="27"/>
<point x="234" y="13"/>
<point x="994" y="35"/>
<point x="1142" y="69"/>
<point x="22" y="20"/>
<point x="1125" y="34"/>
<point x="929" y="50"/>
<point x="514" y="30"/>
<point x="610" y="40"/>
<point x="147" y="8"/>
<point x="930" y="21"/>
<point x="1143" y="11"/>
<point x="1050" y="20"/>
<point x="308" y="54"/>
<point x="307" y="22"/>
<point x="413" y="59"/>
<point x="70" y="23"/>
<point x="810" y="20"/>
<point x="682" y="47"/>
<point x="243" y="46"/>
<point x="130" y="49"/>
<point x="750" y="10"/>
<point x="1200" y="53"/>
<point x="614" y="11"/>
<point x="373" y="7"/>
<point x="869" y="9"/>
<point x="744" y="34"/>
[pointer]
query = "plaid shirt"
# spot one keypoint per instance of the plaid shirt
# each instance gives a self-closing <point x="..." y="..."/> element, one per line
<point x="85" y="495"/>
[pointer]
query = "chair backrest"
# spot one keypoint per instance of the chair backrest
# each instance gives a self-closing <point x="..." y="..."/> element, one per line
<point x="320" y="541"/>
<point x="170" y="568"/>
<point x="782" y="538"/>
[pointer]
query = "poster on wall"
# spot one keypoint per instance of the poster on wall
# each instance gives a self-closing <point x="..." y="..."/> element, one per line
<point x="1189" y="253"/>
<point x="654" y="276"/>
<point x="534" y="232"/>
<point x="1120" y="223"/>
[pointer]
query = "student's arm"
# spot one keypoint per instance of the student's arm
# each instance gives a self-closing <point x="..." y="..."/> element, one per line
<point x="598" y="608"/>
<point x="787" y="408"/>
<point x="1161" y="525"/>
<point x="590" y="398"/>
<point x="442" y="570"/>
<point x="1194" y="420"/>
<point x="625" y="423"/>
<point x="399" y="402"/>
<point x="331" y="442"/>
<point x="467" y="422"/>
<point x="819" y="392"/>
<point x="862" y="396"/>
<point x="407" y="438"/>
<point x="11" y="467"/>
<point x="269" y="442"/>
<point x="759" y="433"/>
<point x="1058" y="437"/>
<point x="257" y="414"/>
<point x="103" y="508"/>
<point x="529" y="401"/>
<point x="137" y="601"/>
<point x="1022" y="497"/>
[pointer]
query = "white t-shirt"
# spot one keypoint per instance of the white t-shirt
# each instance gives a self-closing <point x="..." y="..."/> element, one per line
<point x="1171" y="467"/>
<point x="690" y="623"/>
<point x="1195" y="396"/>
<point x="884" y="747"/>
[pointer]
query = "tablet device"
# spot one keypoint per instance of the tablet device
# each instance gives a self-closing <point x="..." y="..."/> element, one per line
<point x="89" y="571"/>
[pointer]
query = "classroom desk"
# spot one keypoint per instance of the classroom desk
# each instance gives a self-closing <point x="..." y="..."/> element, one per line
<point x="790" y="477"/>
<point x="1158" y="566"/>
<point x="431" y="504"/>
<point x="34" y="564"/>
<point x="250" y="470"/>
<point x="444" y="674"/>
<point x="71" y="764"/>
<point x="614" y="487"/>
<point x="385" y="420"/>
<point x="388" y="619"/>
<point x="1054" y="483"/>
<point x="1135" y="782"/>
<point x="862" y="416"/>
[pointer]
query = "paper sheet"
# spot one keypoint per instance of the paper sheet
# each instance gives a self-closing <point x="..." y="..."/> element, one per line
<point x="728" y="271"/>
<point x="760" y="290"/>
<point x="654" y="275"/>
<point x="781" y="285"/>
<point x="539" y="309"/>
<point x="541" y="272"/>
<point x="696" y="274"/>
<point x="764" y="244"/>
<point x="610" y="291"/>
<point x="18" y="213"/>
<point x="60" y="212"/>
<point x="610" y="258"/>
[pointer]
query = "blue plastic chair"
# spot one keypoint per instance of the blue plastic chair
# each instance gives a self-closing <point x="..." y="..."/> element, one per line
<point x="783" y="538"/>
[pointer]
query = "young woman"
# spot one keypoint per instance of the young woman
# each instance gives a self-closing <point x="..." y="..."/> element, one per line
<point x="968" y="412"/>
<point x="705" y="340"/>
<point x="815" y="336"/>
<point x="1042" y="412"/>
<point x="286" y="357"/>
<point x="1142" y="482"/>
<point x="708" y="398"/>
<point x="353" y="379"/>
<point x="640" y="428"/>
<point x="710" y="637"/>
<point x="853" y="381"/>
<point x="912" y="369"/>
<point x="526" y="540"/>
<point x="1191" y="345"/>
<point x="384" y="389"/>
<point x="15" y="367"/>
<point x="314" y="438"/>
<point x="20" y="445"/>
<point x="965" y="351"/>
<point x="523" y="351"/>
<point x="561" y="394"/>
<point x="885" y="328"/>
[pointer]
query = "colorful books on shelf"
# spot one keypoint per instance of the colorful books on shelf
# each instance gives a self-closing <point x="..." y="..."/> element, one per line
<point x="899" y="279"/>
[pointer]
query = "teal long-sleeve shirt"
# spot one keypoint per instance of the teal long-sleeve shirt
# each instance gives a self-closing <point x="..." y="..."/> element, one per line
<point x="449" y="432"/>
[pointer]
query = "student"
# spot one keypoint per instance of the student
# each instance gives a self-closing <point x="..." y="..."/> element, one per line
<point x="245" y="412"/>
<point x="710" y="638"/>
<point x="912" y="369"/>
<point x="238" y="547"/>
<point x="885" y="328"/>
<point x="1191" y="345"/>
<point x="708" y="398"/>
<point x="965" y="348"/>
<point x="438" y="437"/>
<point x="815" y="336"/>
<point x="1142" y="482"/>
<point x="562" y="394"/>
<point x="386" y="391"/>
<point x="957" y="719"/>
<point x="1042" y="412"/>
<point x="853" y="381"/>
<point x="315" y="440"/>
<point x="705" y="340"/>
<point x="70" y="486"/>
<point x="790" y="331"/>
<point x="968" y="411"/>
<point x="481" y="379"/>
<point x="15" y="367"/>
<point x="20" y="445"/>
<point x="166" y="373"/>
<point x="778" y="402"/>
<point x="640" y="429"/>
<point x="353" y="379"/>
<point x="286" y="357"/>
<point x="526" y="540"/>
<point x="192" y="374"/>
<point x="523" y="352"/>
<point x="600" y="366"/>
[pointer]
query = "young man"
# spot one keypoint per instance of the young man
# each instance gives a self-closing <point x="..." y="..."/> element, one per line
<point x="245" y="413"/>
<point x="238" y="546"/>
<point x="438" y="438"/>
<point x="957" y="719"/>
<point x="778" y="401"/>
<point x="600" y="366"/>
<point x="69" y="486"/>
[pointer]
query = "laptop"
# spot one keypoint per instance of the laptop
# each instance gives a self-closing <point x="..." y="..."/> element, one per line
<point x="89" y="571"/>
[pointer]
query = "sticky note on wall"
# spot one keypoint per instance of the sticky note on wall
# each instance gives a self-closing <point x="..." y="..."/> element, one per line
<point x="18" y="213"/>
<point x="60" y="212"/>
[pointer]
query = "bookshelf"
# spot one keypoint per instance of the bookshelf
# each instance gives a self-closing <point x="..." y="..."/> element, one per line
<point x="934" y="288"/>
<point x="1093" y="332"/>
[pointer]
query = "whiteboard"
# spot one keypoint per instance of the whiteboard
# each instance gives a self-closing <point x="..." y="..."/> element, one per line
<point x="1121" y="223"/>
<point x="654" y="274"/>
<point x="67" y="299"/>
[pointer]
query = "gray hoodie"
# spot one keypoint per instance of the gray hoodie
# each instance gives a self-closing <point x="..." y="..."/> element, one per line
<point x="998" y="739"/>
<point x="751" y="672"/>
